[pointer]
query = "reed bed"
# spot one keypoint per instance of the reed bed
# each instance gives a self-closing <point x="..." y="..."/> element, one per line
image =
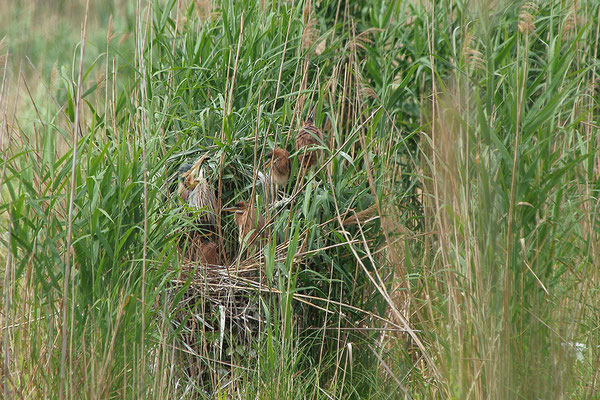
<point x="444" y="246"/>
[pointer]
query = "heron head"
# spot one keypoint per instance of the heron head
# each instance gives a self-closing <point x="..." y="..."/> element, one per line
<point x="190" y="174"/>
<point x="183" y="168"/>
<point x="269" y="159"/>
<point x="239" y="208"/>
<point x="311" y="117"/>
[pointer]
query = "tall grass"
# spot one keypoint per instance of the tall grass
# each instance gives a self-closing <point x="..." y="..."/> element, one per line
<point x="445" y="246"/>
<point x="510" y="177"/>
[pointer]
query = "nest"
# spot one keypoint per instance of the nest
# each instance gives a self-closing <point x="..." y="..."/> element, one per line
<point x="215" y="312"/>
<point x="214" y="308"/>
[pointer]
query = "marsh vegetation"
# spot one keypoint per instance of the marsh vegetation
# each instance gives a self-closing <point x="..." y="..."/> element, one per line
<point x="445" y="245"/>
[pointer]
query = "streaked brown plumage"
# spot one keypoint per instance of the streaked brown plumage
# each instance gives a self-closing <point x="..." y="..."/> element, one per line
<point x="206" y="253"/>
<point x="195" y="190"/>
<point x="361" y="217"/>
<point x="247" y="220"/>
<point x="279" y="160"/>
<point x="198" y="248"/>
<point x="309" y="136"/>
<point x="199" y="194"/>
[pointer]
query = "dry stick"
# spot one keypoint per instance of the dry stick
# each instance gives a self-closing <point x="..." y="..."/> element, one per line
<point x="170" y="75"/>
<point x="349" y="360"/>
<point x="389" y="371"/>
<point x="287" y="34"/>
<point x="253" y="209"/>
<point x="144" y="126"/>
<point x="325" y="320"/>
<point x="266" y="189"/>
<point x="347" y="92"/>
<point x="380" y="286"/>
<point x="123" y="303"/>
<point x="171" y="371"/>
<point x="371" y="180"/>
<point x="356" y="328"/>
<point x="337" y="14"/>
<point x="37" y="111"/>
<point x="14" y="112"/>
<point x="162" y="385"/>
<point x="7" y="377"/>
<point x="285" y="44"/>
<point x="230" y="101"/>
<point x="60" y="108"/>
<point x="220" y="181"/>
<point x="301" y="167"/>
<point x="8" y="127"/>
<point x="27" y="322"/>
<point x="235" y="66"/>
<point x="7" y="298"/>
<point x="294" y="111"/>
<point x="430" y="39"/>
<point x="509" y="248"/>
<point x="302" y="170"/>
<point x="227" y="115"/>
<point x="8" y="130"/>
<point x="108" y="353"/>
<point x="106" y="76"/>
<point x="63" y="355"/>
<point x="593" y="218"/>
<point x="114" y="98"/>
<point x="7" y="286"/>
<point x="4" y="80"/>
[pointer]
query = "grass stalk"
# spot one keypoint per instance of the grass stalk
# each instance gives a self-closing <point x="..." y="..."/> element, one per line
<point x="69" y="250"/>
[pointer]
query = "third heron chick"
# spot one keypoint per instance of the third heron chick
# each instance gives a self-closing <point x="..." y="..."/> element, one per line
<point x="307" y="138"/>
<point x="247" y="220"/>
<point x="279" y="161"/>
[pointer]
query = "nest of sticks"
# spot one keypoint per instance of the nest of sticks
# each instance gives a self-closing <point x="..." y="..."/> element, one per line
<point x="215" y="310"/>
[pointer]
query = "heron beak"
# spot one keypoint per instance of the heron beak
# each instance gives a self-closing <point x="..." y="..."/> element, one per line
<point x="268" y="156"/>
<point x="230" y="209"/>
<point x="198" y="163"/>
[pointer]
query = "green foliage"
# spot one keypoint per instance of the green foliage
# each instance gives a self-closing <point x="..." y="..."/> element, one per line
<point x="461" y="136"/>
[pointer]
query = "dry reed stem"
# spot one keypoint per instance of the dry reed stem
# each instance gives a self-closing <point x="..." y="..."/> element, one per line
<point x="6" y="317"/>
<point x="380" y="286"/>
<point x="66" y="277"/>
<point x="143" y="129"/>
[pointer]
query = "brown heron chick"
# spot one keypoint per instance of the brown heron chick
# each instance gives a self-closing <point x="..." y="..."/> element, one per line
<point x="309" y="136"/>
<point x="195" y="190"/>
<point x="279" y="161"/>
<point x="247" y="220"/>
<point x="198" y="248"/>
<point x="206" y="253"/>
